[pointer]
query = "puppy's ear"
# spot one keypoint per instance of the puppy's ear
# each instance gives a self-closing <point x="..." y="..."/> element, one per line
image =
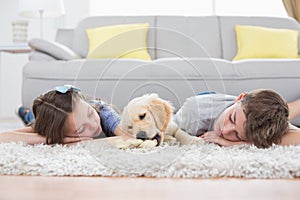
<point x="162" y="112"/>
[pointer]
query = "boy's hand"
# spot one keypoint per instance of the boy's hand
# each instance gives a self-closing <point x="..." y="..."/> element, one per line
<point x="214" y="137"/>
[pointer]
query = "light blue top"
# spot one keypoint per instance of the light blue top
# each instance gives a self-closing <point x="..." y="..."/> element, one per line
<point x="199" y="113"/>
<point x="109" y="117"/>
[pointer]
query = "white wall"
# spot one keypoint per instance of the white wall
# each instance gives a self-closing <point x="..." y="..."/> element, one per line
<point x="188" y="7"/>
<point x="11" y="64"/>
<point x="76" y="12"/>
<point x="151" y="7"/>
<point x="9" y="12"/>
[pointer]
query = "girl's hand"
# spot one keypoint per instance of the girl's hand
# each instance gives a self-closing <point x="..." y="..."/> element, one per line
<point x="68" y="140"/>
<point x="119" y="132"/>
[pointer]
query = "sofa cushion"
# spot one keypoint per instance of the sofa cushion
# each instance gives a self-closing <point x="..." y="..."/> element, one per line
<point x="80" y="39"/>
<point x="179" y="36"/>
<point x="119" y="41"/>
<point x="117" y="81"/>
<point x="261" y="42"/>
<point x="273" y="68"/>
<point x="65" y="36"/>
<point x="278" y="74"/>
<point x="228" y="35"/>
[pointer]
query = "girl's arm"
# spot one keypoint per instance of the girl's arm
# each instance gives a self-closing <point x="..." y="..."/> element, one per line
<point x="119" y="132"/>
<point x="110" y="121"/>
<point x="26" y="135"/>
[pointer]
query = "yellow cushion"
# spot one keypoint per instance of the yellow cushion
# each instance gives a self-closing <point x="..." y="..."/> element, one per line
<point x="119" y="41"/>
<point x="261" y="42"/>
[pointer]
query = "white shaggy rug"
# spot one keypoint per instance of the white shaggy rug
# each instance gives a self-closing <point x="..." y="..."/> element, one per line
<point x="101" y="159"/>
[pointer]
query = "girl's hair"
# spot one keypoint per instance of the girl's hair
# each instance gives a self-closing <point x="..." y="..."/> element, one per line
<point x="266" y="117"/>
<point x="51" y="111"/>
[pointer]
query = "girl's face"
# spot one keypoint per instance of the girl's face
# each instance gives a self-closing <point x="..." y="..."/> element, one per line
<point x="84" y="121"/>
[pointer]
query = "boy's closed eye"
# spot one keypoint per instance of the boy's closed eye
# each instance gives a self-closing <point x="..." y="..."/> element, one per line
<point x="232" y="119"/>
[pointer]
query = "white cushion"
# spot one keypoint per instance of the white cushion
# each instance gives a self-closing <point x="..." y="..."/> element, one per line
<point x="57" y="50"/>
<point x="38" y="55"/>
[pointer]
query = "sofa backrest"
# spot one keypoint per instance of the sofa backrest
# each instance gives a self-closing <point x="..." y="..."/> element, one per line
<point x="228" y="34"/>
<point x="179" y="36"/>
<point x="80" y="39"/>
<point x="65" y="37"/>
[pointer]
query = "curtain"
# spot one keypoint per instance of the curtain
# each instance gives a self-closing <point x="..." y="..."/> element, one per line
<point x="293" y="8"/>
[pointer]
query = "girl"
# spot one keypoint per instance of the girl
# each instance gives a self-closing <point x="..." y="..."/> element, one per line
<point x="64" y="116"/>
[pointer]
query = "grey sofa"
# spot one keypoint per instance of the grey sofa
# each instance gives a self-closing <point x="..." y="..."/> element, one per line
<point x="189" y="55"/>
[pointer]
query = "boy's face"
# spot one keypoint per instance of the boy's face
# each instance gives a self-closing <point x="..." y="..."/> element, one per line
<point x="230" y="124"/>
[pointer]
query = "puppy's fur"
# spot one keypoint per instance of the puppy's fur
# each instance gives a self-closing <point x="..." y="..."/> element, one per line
<point x="150" y="118"/>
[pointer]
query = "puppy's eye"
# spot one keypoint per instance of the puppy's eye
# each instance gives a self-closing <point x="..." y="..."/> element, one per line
<point x="129" y="127"/>
<point x="142" y="116"/>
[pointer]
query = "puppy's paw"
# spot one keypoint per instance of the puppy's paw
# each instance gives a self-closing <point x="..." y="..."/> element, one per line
<point x="127" y="143"/>
<point x="170" y="139"/>
<point x="197" y="140"/>
<point x="148" y="144"/>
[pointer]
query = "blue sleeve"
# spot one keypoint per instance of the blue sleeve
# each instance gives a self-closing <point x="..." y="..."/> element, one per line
<point x="109" y="118"/>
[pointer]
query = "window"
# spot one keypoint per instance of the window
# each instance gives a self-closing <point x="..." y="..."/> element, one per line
<point x="251" y="7"/>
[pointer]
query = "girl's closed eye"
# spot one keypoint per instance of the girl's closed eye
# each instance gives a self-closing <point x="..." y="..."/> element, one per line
<point x="80" y="130"/>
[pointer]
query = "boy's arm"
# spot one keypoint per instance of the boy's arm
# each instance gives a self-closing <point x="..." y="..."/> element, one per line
<point x="212" y="136"/>
<point x="26" y="135"/>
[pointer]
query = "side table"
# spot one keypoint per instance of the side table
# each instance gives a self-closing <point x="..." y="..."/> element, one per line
<point x="13" y="49"/>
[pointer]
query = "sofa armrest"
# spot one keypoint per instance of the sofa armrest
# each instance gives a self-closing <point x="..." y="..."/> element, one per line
<point x="54" y="49"/>
<point x="40" y="56"/>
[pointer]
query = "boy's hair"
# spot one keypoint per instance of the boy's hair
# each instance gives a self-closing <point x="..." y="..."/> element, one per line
<point x="51" y="112"/>
<point x="266" y="117"/>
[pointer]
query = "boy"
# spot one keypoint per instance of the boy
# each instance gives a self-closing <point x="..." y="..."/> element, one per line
<point x="260" y="117"/>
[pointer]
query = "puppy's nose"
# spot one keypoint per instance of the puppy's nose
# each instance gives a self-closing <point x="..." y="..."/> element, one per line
<point x="141" y="135"/>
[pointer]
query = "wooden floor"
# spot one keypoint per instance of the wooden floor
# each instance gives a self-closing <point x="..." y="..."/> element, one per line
<point x="90" y="188"/>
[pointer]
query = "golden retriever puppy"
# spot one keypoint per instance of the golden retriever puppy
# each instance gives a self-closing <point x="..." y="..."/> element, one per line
<point x="149" y="118"/>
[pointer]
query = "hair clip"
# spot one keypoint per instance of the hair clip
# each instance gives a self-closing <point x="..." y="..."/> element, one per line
<point x="65" y="88"/>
